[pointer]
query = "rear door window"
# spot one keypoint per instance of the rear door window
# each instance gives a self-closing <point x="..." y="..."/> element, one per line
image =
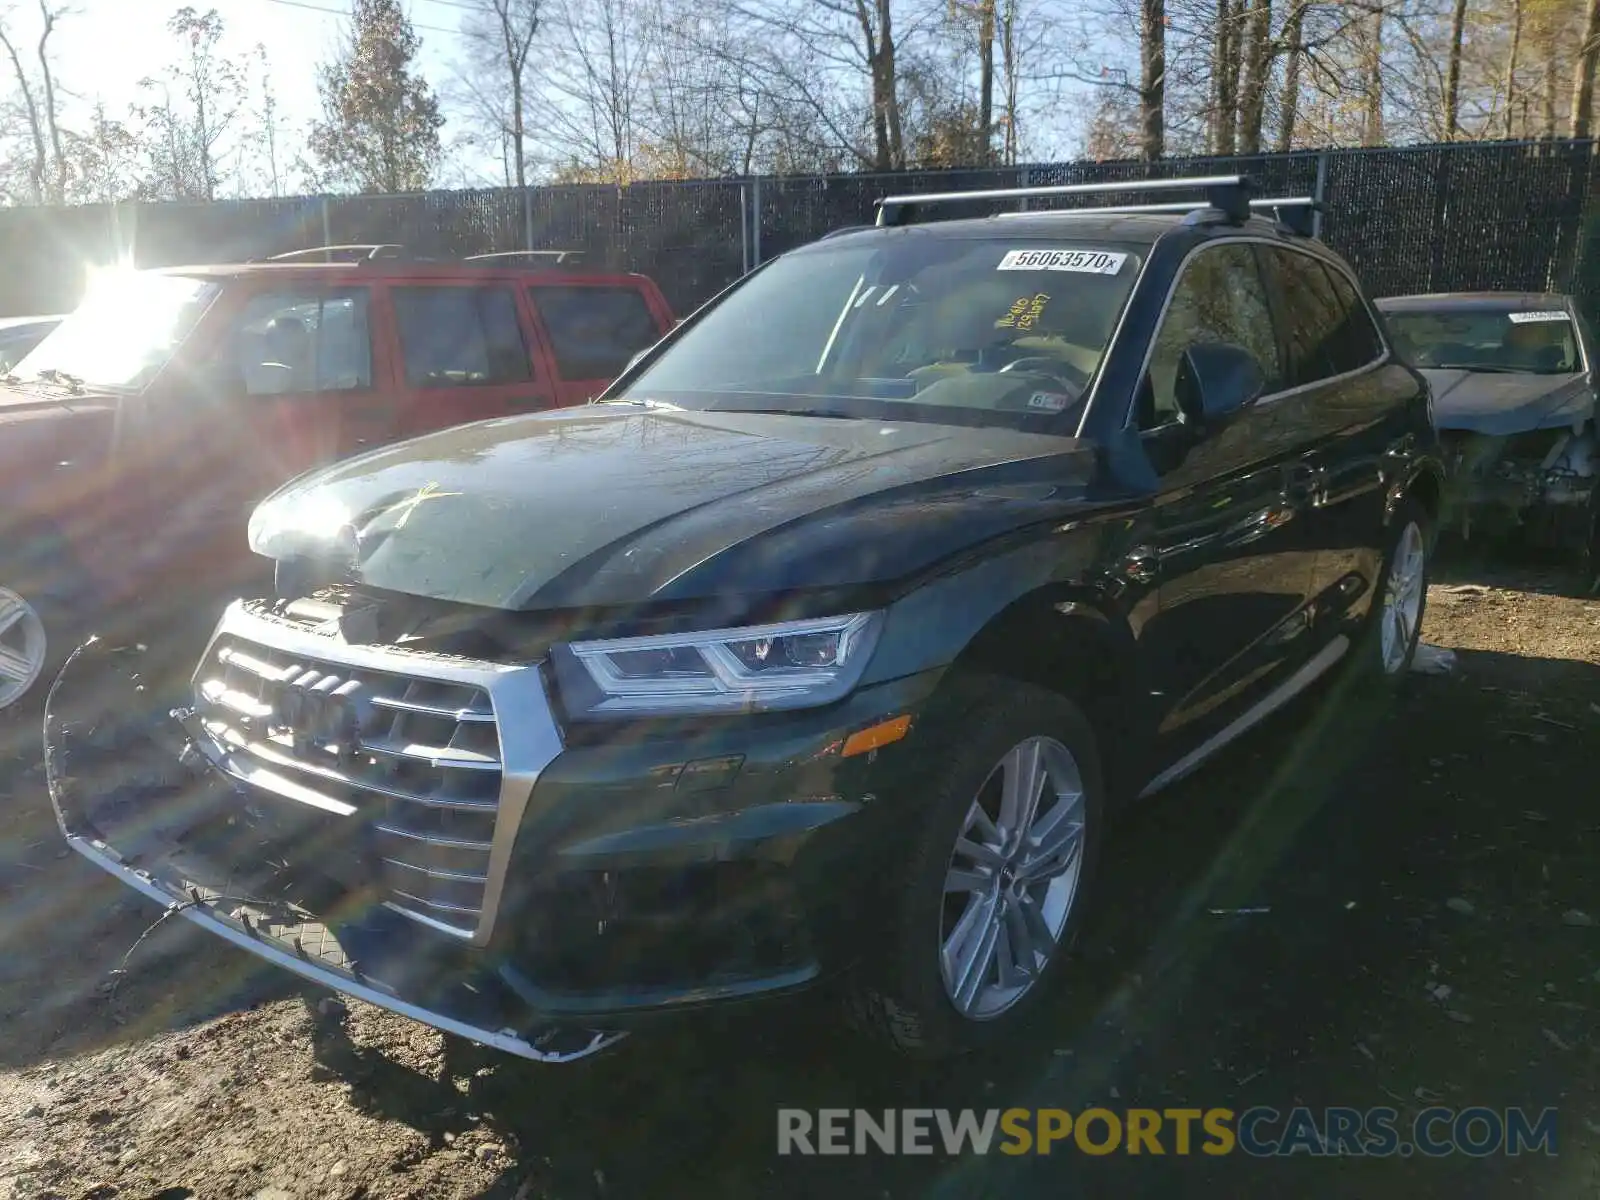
<point x="1358" y="343"/>
<point x="594" y="331"/>
<point x="304" y="341"/>
<point x="1325" y="323"/>
<point x="460" y="336"/>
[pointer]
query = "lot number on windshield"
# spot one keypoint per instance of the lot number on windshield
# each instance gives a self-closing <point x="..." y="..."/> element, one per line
<point x="1522" y="318"/>
<point x="1086" y="262"/>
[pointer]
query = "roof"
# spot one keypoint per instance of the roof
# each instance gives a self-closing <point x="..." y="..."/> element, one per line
<point x="408" y="269"/>
<point x="1468" y="301"/>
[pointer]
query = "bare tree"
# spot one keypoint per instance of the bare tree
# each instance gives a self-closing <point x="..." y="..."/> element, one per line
<point x="48" y="16"/>
<point x="597" y="72"/>
<point x="36" y="129"/>
<point x="1583" y="79"/>
<point x="1152" y="79"/>
<point x="1258" y="56"/>
<point x="1452" y="84"/>
<point x="1293" y="49"/>
<point x="184" y="136"/>
<point x="500" y="37"/>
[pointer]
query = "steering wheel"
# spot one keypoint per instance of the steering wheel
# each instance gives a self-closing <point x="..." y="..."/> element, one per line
<point x="1053" y="367"/>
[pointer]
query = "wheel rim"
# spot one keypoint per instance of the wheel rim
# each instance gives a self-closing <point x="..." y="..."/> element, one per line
<point x="1402" y="598"/>
<point x="1012" y="879"/>
<point x="22" y="647"/>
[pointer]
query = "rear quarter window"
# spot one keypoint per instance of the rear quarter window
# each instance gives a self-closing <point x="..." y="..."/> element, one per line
<point x="594" y="331"/>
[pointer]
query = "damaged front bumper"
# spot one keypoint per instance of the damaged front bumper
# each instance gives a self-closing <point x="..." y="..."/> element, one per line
<point x="1541" y="481"/>
<point x="133" y="795"/>
<point x="426" y="838"/>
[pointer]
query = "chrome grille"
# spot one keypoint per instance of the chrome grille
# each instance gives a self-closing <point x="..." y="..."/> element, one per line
<point x="416" y="760"/>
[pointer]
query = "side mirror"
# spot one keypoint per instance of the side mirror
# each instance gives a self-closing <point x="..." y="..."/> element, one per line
<point x="1216" y="379"/>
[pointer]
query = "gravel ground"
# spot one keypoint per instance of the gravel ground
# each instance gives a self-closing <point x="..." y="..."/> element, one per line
<point x="1427" y="874"/>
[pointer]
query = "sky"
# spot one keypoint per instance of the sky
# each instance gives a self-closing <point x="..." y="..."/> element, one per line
<point x="104" y="47"/>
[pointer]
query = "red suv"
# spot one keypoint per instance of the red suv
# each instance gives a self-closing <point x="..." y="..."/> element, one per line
<point x="137" y="437"/>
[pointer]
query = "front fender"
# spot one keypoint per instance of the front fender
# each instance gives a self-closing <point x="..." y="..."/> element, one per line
<point x="936" y="624"/>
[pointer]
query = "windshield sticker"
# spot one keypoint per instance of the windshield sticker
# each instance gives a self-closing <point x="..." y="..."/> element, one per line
<point x="1048" y="401"/>
<point x="1024" y="312"/>
<point x="1083" y="262"/>
<point x="1522" y="318"/>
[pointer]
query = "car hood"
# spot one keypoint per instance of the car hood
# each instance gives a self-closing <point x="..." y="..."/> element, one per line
<point x="605" y="507"/>
<point x="1494" y="403"/>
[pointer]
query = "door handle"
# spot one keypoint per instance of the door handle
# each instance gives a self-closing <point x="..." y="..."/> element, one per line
<point x="1303" y="484"/>
<point x="1142" y="564"/>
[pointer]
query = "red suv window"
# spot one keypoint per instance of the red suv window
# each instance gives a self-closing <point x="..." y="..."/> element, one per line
<point x="451" y="336"/>
<point x="594" y="331"/>
<point x="304" y="341"/>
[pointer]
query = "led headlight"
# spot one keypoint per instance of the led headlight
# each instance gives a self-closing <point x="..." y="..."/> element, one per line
<point x="793" y="664"/>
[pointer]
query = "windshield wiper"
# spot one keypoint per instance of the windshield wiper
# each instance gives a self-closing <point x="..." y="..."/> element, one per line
<point x="834" y="413"/>
<point x="640" y="403"/>
<point x="71" y="382"/>
<point x="1484" y="369"/>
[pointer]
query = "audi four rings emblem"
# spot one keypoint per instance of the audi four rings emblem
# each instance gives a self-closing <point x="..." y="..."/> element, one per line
<point x="316" y="709"/>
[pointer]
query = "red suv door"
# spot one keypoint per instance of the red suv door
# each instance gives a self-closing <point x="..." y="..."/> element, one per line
<point x="594" y="329"/>
<point x="281" y="381"/>
<point x="462" y="354"/>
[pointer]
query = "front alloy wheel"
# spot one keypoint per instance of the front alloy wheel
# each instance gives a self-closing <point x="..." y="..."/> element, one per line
<point x="23" y="647"/>
<point x="1012" y="879"/>
<point x="1001" y="792"/>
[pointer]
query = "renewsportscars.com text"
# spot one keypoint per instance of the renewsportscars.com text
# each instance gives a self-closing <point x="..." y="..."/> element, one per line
<point x="1260" y="1132"/>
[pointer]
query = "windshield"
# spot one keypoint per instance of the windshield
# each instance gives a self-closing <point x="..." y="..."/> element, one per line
<point x="128" y="325"/>
<point x="912" y="326"/>
<point x="1539" y="341"/>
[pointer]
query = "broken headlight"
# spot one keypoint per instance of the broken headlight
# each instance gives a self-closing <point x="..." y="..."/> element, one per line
<point x="792" y="664"/>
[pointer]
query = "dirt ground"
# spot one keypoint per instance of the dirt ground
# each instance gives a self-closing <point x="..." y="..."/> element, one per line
<point x="1431" y="934"/>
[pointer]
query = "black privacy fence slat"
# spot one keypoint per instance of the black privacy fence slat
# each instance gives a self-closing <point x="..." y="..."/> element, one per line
<point x="1520" y="216"/>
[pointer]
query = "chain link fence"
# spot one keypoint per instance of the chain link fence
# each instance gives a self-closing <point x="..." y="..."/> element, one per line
<point x="1418" y="219"/>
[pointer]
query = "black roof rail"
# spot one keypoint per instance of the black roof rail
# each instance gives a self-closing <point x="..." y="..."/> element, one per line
<point x="560" y="256"/>
<point x="1228" y="194"/>
<point x="354" y="252"/>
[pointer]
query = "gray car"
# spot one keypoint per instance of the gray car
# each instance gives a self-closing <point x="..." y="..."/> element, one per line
<point x="1514" y="392"/>
<point x="19" y="335"/>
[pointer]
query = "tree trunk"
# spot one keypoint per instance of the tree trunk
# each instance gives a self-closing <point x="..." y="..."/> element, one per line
<point x="1583" y="80"/>
<point x="1257" y="62"/>
<point x="1511" y="65"/>
<point x="1452" y="78"/>
<point x="886" y="51"/>
<point x="1008" y="59"/>
<point x="1547" y="113"/>
<point x="1293" y="30"/>
<point x="58" y="187"/>
<point x="1372" y="117"/>
<point x="877" y="33"/>
<point x="1230" y="25"/>
<point x="35" y="129"/>
<point x="986" y="79"/>
<point x="1152" y="79"/>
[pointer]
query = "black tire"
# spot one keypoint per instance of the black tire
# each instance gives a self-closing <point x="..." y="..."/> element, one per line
<point x="1370" y="662"/>
<point x="900" y="998"/>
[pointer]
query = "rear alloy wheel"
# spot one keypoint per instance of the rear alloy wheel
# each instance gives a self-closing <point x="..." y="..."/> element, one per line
<point x="1401" y="619"/>
<point x="24" y="647"/>
<point x="1393" y="626"/>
